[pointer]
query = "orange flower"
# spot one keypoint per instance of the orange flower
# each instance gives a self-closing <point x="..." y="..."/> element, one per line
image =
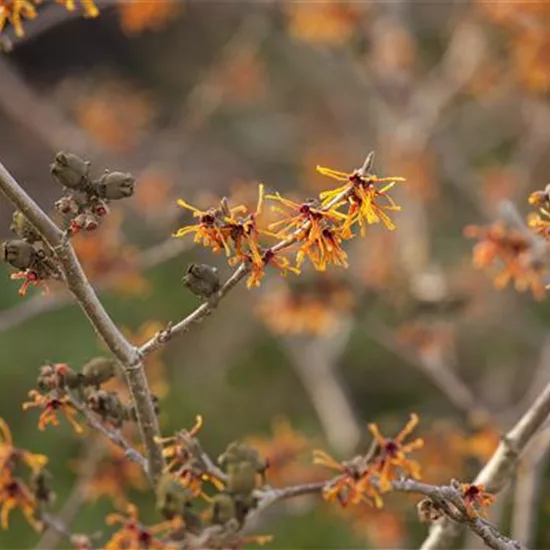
<point x="476" y="499"/>
<point x="29" y="278"/>
<point x="14" y="11"/>
<point x="314" y="226"/>
<point x="513" y="249"/>
<point x="363" y="198"/>
<point x="136" y="17"/>
<point x="353" y="485"/>
<point x="185" y="459"/>
<point x="391" y="457"/>
<point x="10" y="455"/>
<point x="134" y="535"/>
<point x="53" y="405"/>
<point x="257" y="266"/>
<point x="282" y="451"/>
<point x="15" y="494"/>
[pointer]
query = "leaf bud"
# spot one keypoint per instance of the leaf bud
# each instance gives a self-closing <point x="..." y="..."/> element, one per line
<point x="19" y="253"/>
<point x="223" y="509"/>
<point x="71" y="171"/>
<point x="202" y="280"/>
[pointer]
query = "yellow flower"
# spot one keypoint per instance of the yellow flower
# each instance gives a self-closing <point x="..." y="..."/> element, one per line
<point x="353" y="485"/>
<point x="15" y="494"/>
<point x="10" y="454"/>
<point x="88" y="6"/>
<point x="363" y="197"/>
<point x="14" y="11"/>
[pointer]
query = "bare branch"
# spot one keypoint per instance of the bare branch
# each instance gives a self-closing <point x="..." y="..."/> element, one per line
<point x="87" y="299"/>
<point x="497" y="472"/>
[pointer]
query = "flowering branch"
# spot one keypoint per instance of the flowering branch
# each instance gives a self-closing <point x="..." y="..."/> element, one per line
<point x="78" y="284"/>
<point x="496" y="473"/>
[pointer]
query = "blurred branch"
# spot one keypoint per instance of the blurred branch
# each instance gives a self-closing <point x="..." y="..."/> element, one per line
<point x="435" y="367"/>
<point x="52" y="536"/>
<point x="38" y="304"/>
<point x="315" y="362"/>
<point x="528" y="488"/>
<point x="497" y="472"/>
<point x="86" y="297"/>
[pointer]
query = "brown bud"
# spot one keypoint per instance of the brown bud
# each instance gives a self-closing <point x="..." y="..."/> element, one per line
<point x="19" y="253"/>
<point x="71" y="171"/>
<point x="67" y="205"/>
<point x="23" y="228"/>
<point x="115" y="185"/>
<point x="98" y="370"/>
<point x="202" y="280"/>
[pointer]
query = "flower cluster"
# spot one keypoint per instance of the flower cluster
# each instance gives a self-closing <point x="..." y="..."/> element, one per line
<point x="61" y="390"/>
<point x="15" y="11"/>
<point x="14" y="492"/>
<point x="316" y="229"/>
<point x="366" y="477"/>
<point x="511" y="250"/>
<point x="308" y="307"/>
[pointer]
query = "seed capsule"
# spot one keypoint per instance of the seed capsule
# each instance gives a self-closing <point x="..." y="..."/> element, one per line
<point x="98" y="370"/>
<point x="71" y="171"/>
<point x="115" y="185"/>
<point x="19" y="253"/>
<point x="202" y="280"/>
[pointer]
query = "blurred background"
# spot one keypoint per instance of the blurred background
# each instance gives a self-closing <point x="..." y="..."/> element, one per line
<point x="201" y="100"/>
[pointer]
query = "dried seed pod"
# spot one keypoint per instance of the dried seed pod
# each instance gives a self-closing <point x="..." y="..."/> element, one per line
<point x="171" y="496"/>
<point x="242" y="463"/>
<point x="19" y="253"/>
<point x="47" y="379"/>
<point x="23" y="227"/>
<point x="223" y="509"/>
<point x="108" y="406"/>
<point x="67" y="205"/>
<point x="202" y="280"/>
<point x="115" y="185"/>
<point x="71" y="171"/>
<point x="99" y="370"/>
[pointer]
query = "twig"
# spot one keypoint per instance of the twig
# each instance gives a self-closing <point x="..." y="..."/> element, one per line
<point x="500" y="467"/>
<point x="52" y="536"/>
<point x="447" y="497"/>
<point x="38" y="304"/>
<point x="87" y="299"/>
